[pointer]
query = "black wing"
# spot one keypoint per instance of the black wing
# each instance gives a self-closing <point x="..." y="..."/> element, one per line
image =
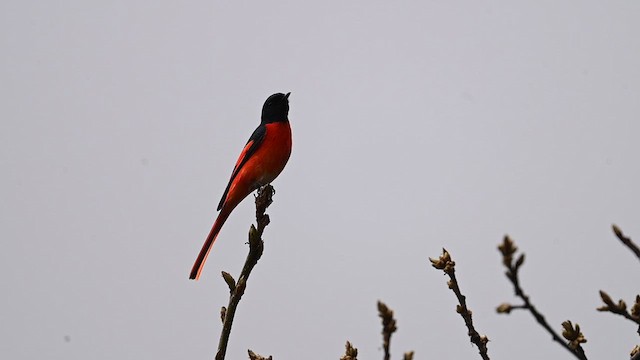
<point x="249" y="149"/>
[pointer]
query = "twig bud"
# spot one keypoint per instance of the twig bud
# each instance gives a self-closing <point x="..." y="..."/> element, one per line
<point x="254" y="356"/>
<point x="617" y="231"/>
<point x="573" y="334"/>
<point x="504" y="308"/>
<point x="350" y="352"/>
<point x="229" y="280"/>
<point x="606" y="298"/>
<point x="507" y="249"/>
<point x="635" y="309"/>
<point x="444" y="262"/>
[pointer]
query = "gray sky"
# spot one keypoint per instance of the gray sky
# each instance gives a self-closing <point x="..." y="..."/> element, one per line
<point x="416" y="125"/>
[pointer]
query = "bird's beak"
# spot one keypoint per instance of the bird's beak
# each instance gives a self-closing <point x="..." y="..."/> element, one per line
<point x="287" y="96"/>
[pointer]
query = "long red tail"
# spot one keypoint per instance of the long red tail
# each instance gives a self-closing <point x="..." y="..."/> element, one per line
<point x="208" y="244"/>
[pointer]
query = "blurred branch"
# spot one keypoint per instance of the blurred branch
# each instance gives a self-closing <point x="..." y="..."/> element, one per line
<point x="350" y="353"/>
<point x="575" y="337"/>
<point x="446" y="264"/>
<point x="388" y="327"/>
<point x="236" y="290"/>
<point x="621" y="308"/>
<point x="626" y="240"/>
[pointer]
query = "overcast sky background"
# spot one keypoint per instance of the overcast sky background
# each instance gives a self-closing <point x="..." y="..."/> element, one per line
<point x="416" y="125"/>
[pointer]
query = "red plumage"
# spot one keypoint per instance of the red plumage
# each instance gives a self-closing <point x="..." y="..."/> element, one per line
<point x="262" y="159"/>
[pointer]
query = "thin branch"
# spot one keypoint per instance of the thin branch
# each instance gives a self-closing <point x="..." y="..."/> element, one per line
<point x="256" y="246"/>
<point x="508" y="250"/>
<point x="446" y="264"/>
<point x="626" y="241"/>
<point x="388" y="327"/>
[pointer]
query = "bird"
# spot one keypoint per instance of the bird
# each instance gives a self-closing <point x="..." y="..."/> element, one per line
<point x="262" y="159"/>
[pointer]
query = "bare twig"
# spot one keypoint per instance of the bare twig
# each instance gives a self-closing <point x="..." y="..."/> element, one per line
<point x="626" y="240"/>
<point x="446" y="264"/>
<point x="575" y="337"/>
<point x="388" y="327"/>
<point x="256" y="246"/>
<point x="350" y="353"/>
<point x="408" y="355"/>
